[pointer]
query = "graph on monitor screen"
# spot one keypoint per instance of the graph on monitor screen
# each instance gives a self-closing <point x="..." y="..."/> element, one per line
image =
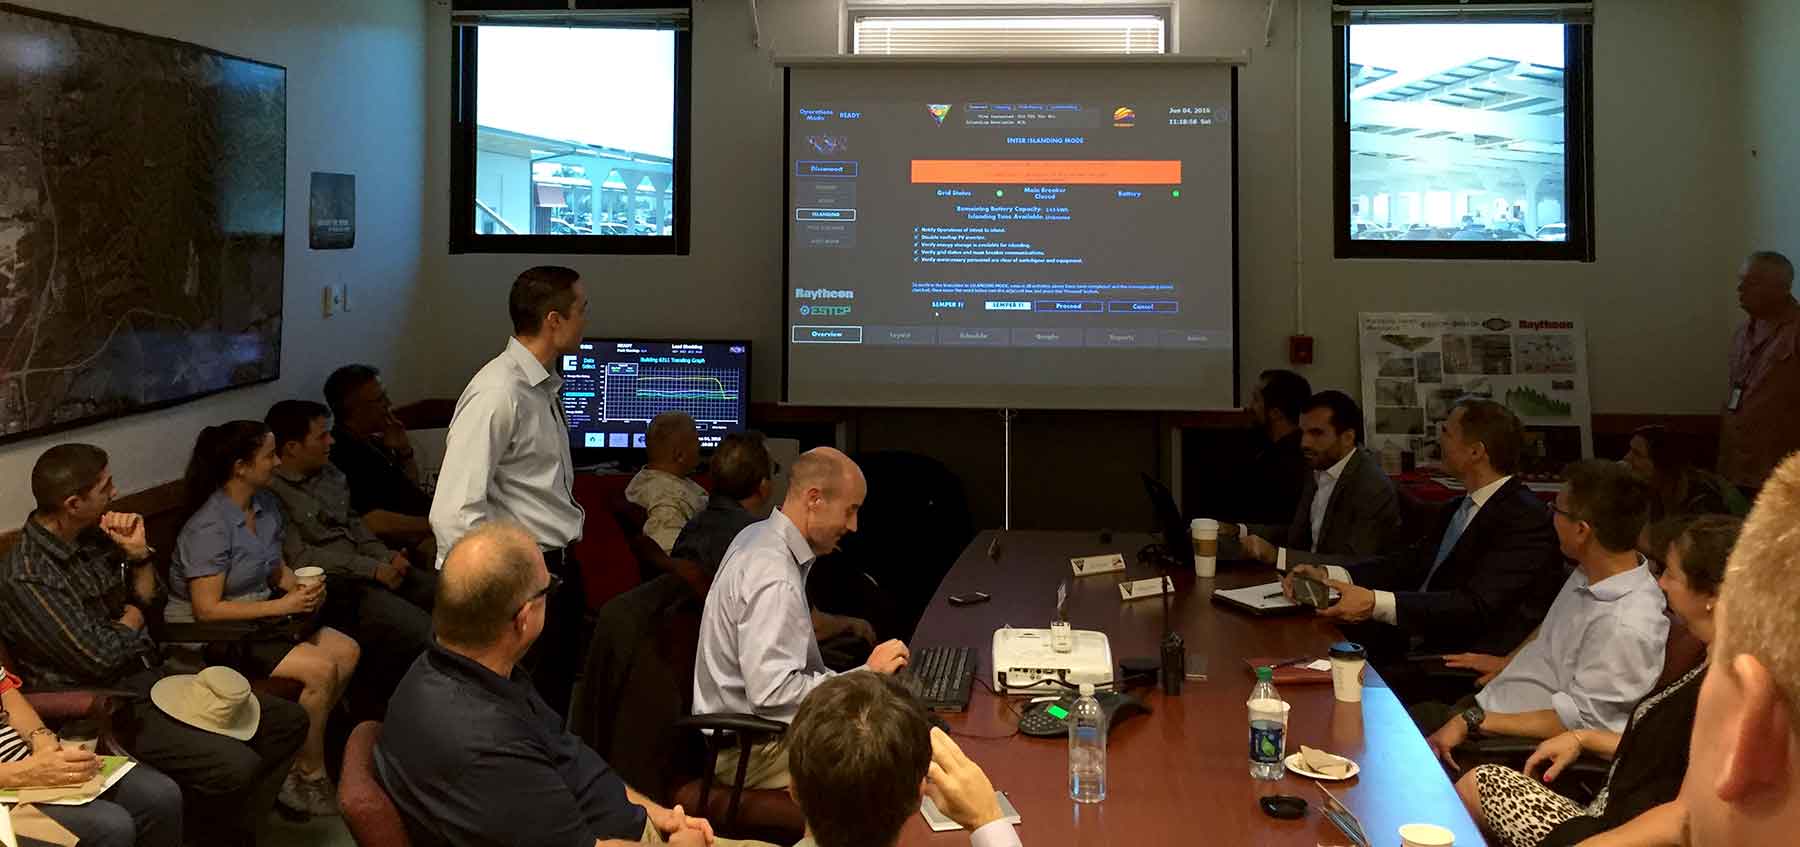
<point x="640" y="392"/>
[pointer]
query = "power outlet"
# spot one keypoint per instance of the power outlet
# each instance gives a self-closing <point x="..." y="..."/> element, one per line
<point x="331" y="300"/>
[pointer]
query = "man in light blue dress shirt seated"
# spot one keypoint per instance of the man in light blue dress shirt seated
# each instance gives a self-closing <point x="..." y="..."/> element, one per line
<point x="1600" y="648"/>
<point x="758" y="652"/>
<point x="863" y="753"/>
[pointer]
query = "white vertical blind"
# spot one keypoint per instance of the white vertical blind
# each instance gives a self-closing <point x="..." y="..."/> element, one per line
<point x="1010" y="35"/>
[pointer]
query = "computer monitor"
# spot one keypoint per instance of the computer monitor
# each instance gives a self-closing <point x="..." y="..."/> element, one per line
<point x="612" y="387"/>
<point x="1177" y="544"/>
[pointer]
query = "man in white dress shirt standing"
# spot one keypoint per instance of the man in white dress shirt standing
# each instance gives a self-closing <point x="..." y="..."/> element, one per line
<point x="507" y="458"/>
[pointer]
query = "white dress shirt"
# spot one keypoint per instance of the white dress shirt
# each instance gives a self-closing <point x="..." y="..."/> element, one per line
<point x="758" y="653"/>
<point x="1385" y="609"/>
<point x="1326" y="481"/>
<point x="507" y="456"/>
<point x="1597" y="653"/>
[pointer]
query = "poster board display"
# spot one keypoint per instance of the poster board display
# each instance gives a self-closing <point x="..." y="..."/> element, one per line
<point x="1415" y="365"/>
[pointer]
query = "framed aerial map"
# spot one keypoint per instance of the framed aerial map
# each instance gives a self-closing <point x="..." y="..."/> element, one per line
<point x="143" y="187"/>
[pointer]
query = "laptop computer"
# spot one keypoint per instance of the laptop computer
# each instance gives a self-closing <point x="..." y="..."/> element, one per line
<point x="1176" y="543"/>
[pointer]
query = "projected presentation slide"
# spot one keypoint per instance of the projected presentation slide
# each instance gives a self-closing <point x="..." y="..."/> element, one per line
<point x="1029" y="236"/>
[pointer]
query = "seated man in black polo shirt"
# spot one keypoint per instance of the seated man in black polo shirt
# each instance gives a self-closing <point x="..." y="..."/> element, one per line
<point x="741" y="472"/>
<point x="471" y="755"/>
<point x="370" y="446"/>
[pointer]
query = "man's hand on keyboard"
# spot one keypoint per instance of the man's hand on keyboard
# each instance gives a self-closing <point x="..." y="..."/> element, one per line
<point x="889" y="657"/>
<point x="957" y="785"/>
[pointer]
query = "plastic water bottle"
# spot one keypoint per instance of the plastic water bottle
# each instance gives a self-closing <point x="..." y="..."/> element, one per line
<point x="1087" y="748"/>
<point x="1268" y="728"/>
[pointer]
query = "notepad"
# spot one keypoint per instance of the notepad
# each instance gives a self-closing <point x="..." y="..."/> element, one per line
<point x="939" y="823"/>
<point x="1257" y="598"/>
<point x="112" y="769"/>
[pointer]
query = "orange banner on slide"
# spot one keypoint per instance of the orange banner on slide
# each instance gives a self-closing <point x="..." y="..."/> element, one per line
<point x="1047" y="172"/>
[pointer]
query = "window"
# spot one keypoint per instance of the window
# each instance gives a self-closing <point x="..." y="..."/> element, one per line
<point x="1464" y="134"/>
<point x="570" y="133"/>
<point x="1100" y="30"/>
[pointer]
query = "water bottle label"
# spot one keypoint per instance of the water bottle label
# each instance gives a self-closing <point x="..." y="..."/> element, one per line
<point x="1266" y="742"/>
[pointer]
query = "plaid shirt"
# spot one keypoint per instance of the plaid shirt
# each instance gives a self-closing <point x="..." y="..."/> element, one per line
<point x="59" y="610"/>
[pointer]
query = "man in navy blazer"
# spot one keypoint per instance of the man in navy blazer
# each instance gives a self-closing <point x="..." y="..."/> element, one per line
<point x="1485" y="576"/>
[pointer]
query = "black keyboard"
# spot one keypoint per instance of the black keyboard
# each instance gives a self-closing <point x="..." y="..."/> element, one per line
<point x="941" y="677"/>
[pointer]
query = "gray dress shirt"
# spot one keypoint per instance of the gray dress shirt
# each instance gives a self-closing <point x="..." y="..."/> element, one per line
<point x="321" y="528"/>
<point x="1598" y="652"/>
<point x="507" y="456"/>
<point x="758" y="654"/>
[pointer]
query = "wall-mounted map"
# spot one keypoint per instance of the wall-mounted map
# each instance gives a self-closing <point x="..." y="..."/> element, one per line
<point x="143" y="185"/>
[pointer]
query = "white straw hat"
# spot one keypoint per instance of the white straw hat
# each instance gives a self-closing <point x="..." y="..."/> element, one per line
<point x="217" y="699"/>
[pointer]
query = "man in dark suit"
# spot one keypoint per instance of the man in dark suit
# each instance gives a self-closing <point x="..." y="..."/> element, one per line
<point x="1270" y="484"/>
<point x="1482" y="580"/>
<point x="1348" y="510"/>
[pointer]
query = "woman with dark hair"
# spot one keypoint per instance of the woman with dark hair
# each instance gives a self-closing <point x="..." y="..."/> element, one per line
<point x="228" y="567"/>
<point x="1676" y="486"/>
<point x="1636" y="805"/>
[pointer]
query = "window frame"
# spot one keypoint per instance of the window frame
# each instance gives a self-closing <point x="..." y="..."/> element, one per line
<point x="1578" y="172"/>
<point x="464" y="76"/>
<point x="856" y="10"/>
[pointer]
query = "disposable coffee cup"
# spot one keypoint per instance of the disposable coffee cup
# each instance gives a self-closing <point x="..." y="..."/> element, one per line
<point x="1347" y="661"/>
<point x="1205" y="534"/>
<point x="1426" y="835"/>
<point x="310" y="575"/>
<point x="88" y="744"/>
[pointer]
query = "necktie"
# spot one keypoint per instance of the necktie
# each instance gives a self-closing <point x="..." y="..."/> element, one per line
<point x="1454" y="531"/>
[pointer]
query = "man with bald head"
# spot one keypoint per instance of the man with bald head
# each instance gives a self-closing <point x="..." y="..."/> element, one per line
<point x="758" y="652"/>
<point x="662" y="489"/>
<point x="1758" y="428"/>
<point x="471" y="755"/>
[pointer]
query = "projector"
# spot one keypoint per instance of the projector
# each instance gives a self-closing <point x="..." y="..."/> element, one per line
<point x="1026" y="662"/>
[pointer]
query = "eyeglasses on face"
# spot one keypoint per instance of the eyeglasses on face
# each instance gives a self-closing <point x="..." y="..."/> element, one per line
<point x="545" y="592"/>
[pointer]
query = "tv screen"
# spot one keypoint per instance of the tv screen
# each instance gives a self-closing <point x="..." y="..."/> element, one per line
<point x="612" y="388"/>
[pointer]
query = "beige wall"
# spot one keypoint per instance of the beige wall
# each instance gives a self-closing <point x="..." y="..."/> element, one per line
<point x="1658" y="300"/>
<point x="1771" y="105"/>
<point x="356" y="86"/>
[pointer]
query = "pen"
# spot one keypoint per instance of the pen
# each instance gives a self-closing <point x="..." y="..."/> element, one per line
<point x="1273" y="596"/>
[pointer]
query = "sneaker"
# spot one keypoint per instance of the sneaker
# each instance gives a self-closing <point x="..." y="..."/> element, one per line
<point x="321" y="795"/>
<point x="292" y="799"/>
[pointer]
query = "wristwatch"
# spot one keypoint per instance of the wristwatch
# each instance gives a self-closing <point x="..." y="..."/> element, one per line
<point x="1474" y="716"/>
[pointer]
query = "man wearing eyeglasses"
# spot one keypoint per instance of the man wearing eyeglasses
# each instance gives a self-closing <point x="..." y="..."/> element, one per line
<point x="471" y="755"/>
<point x="1600" y="648"/>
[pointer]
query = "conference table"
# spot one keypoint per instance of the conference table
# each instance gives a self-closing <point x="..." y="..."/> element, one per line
<point x="1178" y="774"/>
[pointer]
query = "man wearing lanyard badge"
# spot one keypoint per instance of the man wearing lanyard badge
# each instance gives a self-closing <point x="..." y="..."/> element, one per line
<point x="1761" y="424"/>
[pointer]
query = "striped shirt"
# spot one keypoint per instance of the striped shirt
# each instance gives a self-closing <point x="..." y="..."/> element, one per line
<point x="59" y="610"/>
<point x="13" y="748"/>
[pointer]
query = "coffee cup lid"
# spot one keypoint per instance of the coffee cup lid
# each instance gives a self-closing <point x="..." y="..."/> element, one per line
<point x="1348" y="650"/>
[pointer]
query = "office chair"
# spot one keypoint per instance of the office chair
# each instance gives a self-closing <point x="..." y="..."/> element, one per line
<point x="634" y="711"/>
<point x="368" y="812"/>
